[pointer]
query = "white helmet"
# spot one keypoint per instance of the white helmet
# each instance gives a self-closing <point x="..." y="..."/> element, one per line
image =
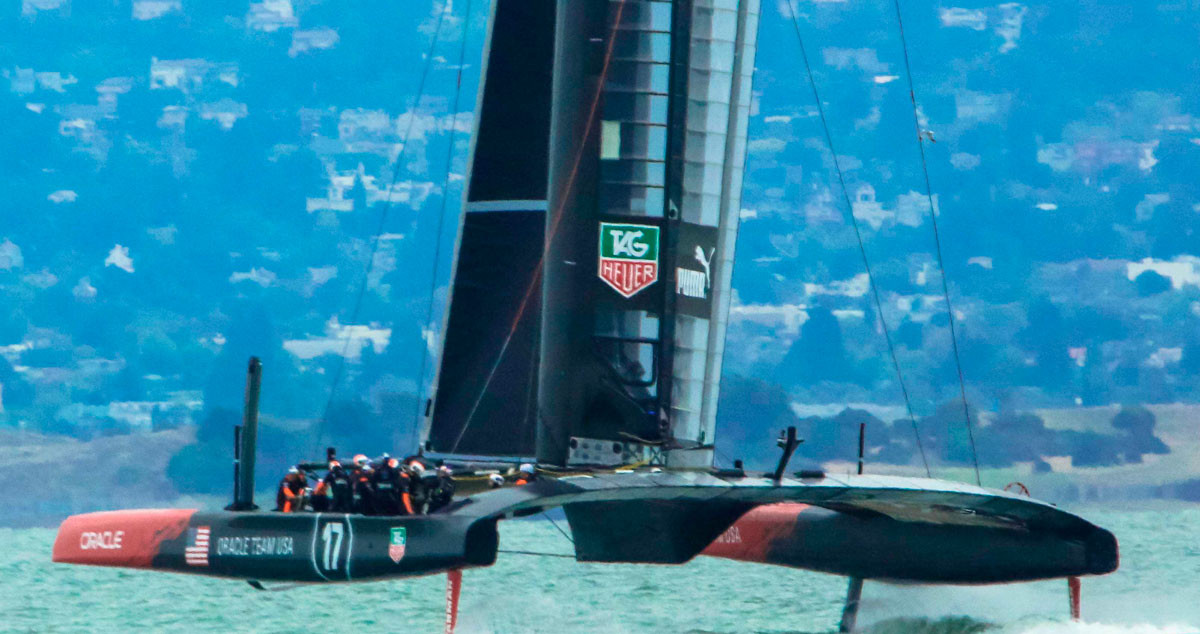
<point x="526" y="468"/>
<point x="495" y="481"/>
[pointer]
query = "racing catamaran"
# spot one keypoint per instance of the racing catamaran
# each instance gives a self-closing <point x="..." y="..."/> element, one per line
<point x="586" y="333"/>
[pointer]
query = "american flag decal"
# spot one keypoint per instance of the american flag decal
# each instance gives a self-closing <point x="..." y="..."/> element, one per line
<point x="196" y="552"/>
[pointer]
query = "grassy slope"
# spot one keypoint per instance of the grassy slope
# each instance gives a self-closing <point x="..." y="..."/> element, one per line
<point x="48" y="477"/>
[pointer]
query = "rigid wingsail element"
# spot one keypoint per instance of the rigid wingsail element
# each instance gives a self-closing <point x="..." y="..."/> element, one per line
<point x="591" y="289"/>
<point x="651" y="101"/>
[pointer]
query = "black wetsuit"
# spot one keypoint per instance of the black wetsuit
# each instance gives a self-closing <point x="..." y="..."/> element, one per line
<point x="390" y="486"/>
<point x="442" y="493"/>
<point x="363" y="491"/>
<point x="422" y="487"/>
<point x="340" y="489"/>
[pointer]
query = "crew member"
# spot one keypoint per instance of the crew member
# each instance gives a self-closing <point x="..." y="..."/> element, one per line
<point x="421" y="484"/>
<point x="443" y="489"/>
<point x="336" y="490"/>
<point x="392" y="488"/>
<point x="290" y="496"/>
<point x="526" y="474"/>
<point x="361" y="486"/>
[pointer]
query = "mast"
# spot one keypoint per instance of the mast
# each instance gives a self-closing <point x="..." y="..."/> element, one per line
<point x="651" y="99"/>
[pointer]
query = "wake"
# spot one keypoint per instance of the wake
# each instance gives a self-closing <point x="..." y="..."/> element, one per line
<point x="966" y="625"/>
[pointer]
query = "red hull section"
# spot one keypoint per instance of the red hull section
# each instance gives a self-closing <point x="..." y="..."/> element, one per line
<point x="750" y="538"/>
<point x="127" y="539"/>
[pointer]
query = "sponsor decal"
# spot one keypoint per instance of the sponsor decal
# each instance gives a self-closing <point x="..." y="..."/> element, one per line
<point x="628" y="256"/>
<point x="397" y="543"/>
<point x="107" y="540"/>
<point x="732" y="535"/>
<point x="332" y="537"/>
<point x="694" y="283"/>
<point x="196" y="552"/>
<point x="268" y="546"/>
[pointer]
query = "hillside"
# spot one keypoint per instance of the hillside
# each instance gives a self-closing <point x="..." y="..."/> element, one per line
<point x="190" y="183"/>
<point x="49" y="477"/>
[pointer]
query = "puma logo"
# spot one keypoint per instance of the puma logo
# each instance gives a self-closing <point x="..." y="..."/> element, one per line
<point x="706" y="263"/>
<point x="695" y="284"/>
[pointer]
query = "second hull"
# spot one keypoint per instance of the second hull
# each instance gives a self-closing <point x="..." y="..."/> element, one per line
<point x="814" y="538"/>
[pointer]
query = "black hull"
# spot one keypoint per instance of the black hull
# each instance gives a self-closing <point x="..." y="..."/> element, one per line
<point x="901" y="529"/>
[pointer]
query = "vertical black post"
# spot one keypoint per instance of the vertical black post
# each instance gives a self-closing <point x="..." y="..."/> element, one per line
<point x="237" y="460"/>
<point x="850" y="610"/>
<point x="248" y="447"/>
<point x="862" y="435"/>
<point x="788" y="443"/>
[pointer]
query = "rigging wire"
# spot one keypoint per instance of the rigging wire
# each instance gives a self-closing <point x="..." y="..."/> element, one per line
<point x="937" y="242"/>
<point x="535" y="553"/>
<point x="555" y="524"/>
<point x="437" y="241"/>
<point x="858" y="236"/>
<point x="387" y="207"/>
<point x="535" y="279"/>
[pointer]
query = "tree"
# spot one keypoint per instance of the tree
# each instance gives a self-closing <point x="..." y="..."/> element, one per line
<point x="1089" y="449"/>
<point x="751" y="411"/>
<point x="819" y="354"/>
<point x="193" y="469"/>
<point x="946" y="432"/>
<point x="1151" y="283"/>
<point x="1016" y="437"/>
<point x="1138" y="425"/>
<point x="1048" y="338"/>
<point x="250" y="332"/>
<point x="351" y="423"/>
<point x="216" y="427"/>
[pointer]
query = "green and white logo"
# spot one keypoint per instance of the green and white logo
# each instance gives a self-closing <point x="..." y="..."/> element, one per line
<point x="628" y="256"/>
<point x="397" y="543"/>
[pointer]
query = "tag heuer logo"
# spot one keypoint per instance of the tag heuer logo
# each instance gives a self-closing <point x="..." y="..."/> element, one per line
<point x="397" y="543"/>
<point x="628" y="256"/>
